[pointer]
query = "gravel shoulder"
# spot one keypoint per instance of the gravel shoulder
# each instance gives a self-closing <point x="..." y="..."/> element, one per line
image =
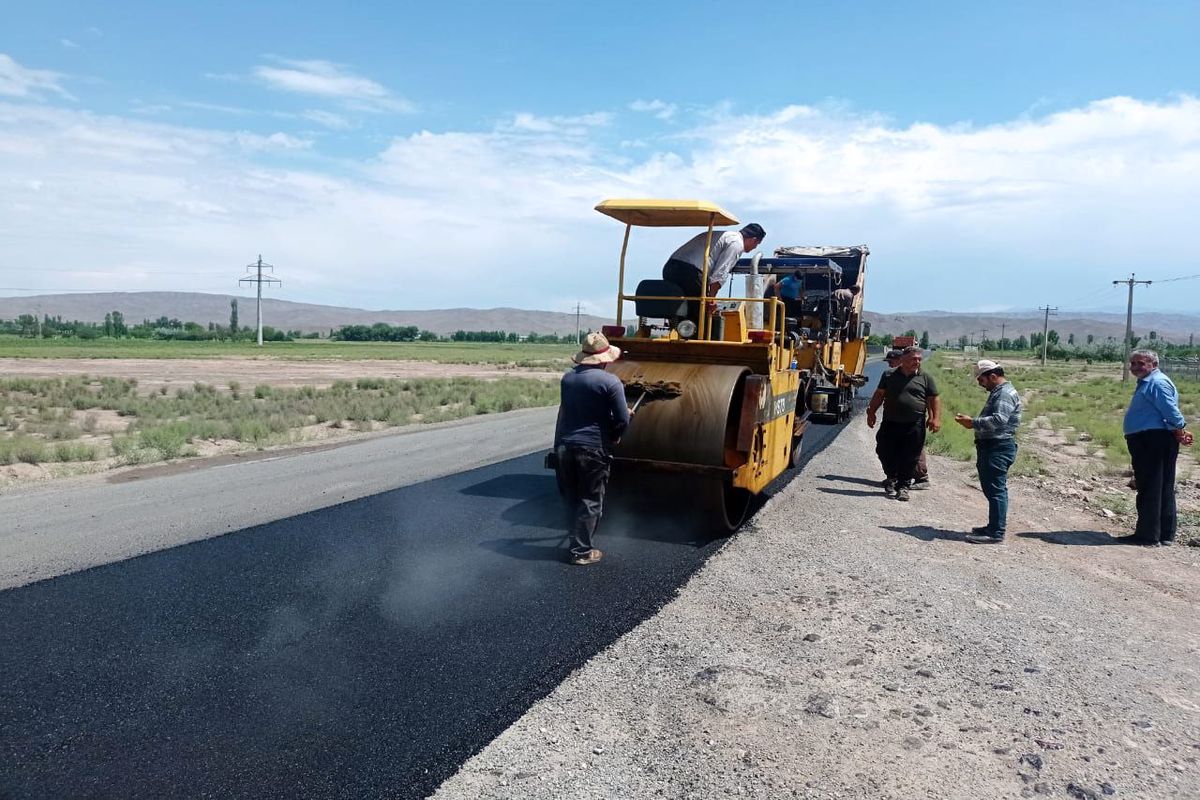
<point x="846" y="645"/>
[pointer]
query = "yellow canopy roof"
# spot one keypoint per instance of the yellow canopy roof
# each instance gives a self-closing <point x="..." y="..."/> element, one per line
<point x="666" y="213"/>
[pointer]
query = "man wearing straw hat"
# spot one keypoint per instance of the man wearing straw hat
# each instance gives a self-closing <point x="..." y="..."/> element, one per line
<point x="592" y="415"/>
<point x="995" y="447"/>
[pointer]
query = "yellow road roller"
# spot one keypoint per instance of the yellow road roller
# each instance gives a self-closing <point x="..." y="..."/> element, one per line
<point x="728" y="424"/>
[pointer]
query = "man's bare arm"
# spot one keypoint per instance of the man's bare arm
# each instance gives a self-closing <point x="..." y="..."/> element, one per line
<point x="935" y="413"/>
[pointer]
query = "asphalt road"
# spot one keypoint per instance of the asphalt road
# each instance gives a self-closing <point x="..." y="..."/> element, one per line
<point x="56" y="528"/>
<point x="362" y="649"/>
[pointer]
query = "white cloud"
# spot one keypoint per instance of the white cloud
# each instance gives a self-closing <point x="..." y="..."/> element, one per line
<point x="579" y="125"/>
<point x="19" y="81"/>
<point x="67" y="43"/>
<point x="328" y="119"/>
<point x="658" y="108"/>
<point x="1019" y="214"/>
<point x="327" y="79"/>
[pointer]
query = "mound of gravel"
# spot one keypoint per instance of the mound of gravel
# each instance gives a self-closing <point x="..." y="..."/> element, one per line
<point x="848" y="646"/>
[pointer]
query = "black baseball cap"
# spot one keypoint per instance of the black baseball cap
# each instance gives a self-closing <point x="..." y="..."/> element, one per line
<point x="754" y="231"/>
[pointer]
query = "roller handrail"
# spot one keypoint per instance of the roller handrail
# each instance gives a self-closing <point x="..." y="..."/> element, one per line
<point x="776" y="319"/>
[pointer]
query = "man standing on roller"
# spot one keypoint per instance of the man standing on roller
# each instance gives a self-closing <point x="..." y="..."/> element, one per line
<point x="685" y="267"/>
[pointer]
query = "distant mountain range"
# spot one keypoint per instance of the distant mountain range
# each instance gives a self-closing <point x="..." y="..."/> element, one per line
<point x="286" y="315"/>
<point x="947" y="325"/>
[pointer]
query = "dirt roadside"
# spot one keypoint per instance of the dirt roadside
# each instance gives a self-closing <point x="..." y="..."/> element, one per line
<point x="167" y="375"/>
<point x="849" y="646"/>
<point x="154" y="373"/>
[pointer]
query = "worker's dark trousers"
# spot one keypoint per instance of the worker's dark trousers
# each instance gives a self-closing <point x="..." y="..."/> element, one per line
<point x="993" y="459"/>
<point x="921" y="473"/>
<point x="585" y="476"/>
<point x="899" y="445"/>
<point x="686" y="277"/>
<point x="1153" y="454"/>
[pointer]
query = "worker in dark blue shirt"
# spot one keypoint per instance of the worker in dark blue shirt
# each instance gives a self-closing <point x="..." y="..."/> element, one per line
<point x="592" y="415"/>
<point x="1154" y="430"/>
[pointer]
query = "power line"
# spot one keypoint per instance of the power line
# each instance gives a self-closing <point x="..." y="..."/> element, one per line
<point x="1131" y="282"/>
<point x="1171" y="280"/>
<point x="1046" y="328"/>
<point x="259" y="279"/>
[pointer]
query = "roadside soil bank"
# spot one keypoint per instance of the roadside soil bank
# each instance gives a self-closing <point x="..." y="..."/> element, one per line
<point x="845" y="645"/>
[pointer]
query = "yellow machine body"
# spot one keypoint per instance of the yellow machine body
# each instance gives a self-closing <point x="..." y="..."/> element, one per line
<point x="733" y="429"/>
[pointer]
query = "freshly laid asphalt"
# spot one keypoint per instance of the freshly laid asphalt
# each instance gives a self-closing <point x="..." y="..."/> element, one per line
<point x="365" y="649"/>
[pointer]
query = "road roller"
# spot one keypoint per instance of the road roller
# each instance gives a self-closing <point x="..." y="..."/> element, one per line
<point x="728" y="425"/>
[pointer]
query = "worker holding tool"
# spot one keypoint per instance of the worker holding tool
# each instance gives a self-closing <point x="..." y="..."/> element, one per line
<point x="592" y="416"/>
<point x="685" y="267"/>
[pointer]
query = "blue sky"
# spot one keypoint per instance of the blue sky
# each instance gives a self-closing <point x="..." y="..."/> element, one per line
<point x="391" y="155"/>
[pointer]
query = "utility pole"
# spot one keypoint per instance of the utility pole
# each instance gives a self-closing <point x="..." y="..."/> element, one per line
<point x="1046" y="329"/>
<point x="1003" y="325"/>
<point x="578" y="307"/>
<point x="1129" y="324"/>
<point x="982" y="339"/>
<point x="259" y="279"/>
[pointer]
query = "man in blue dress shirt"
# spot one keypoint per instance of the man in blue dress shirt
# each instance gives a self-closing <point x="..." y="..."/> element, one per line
<point x="1154" y="429"/>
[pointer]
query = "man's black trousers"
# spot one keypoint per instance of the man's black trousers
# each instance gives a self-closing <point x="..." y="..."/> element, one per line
<point x="686" y="277"/>
<point x="1154" y="454"/>
<point x="585" y="474"/>
<point x="899" y="446"/>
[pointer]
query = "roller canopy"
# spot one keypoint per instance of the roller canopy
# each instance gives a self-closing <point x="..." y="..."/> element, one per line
<point x="652" y="213"/>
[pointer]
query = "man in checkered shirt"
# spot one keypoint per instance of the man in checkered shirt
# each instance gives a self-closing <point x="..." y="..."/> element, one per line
<point x="995" y="447"/>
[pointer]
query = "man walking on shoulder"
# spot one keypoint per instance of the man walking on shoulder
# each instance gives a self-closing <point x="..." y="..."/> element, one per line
<point x="592" y="416"/>
<point x="910" y="405"/>
<point x="1154" y="430"/>
<point x="995" y="447"/>
<point x="921" y="476"/>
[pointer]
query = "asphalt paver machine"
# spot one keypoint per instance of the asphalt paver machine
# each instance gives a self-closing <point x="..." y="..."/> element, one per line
<point x="830" y="338"/>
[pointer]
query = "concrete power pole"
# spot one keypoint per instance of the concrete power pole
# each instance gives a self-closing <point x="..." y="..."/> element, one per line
<point x="982" y="340"/>
<point x="1129" y="324"/>
<point x="259" y="279"/>
<point x="578" y="307"/>
<point x="1046" y="329"/>
<point x="1003" y="343"/>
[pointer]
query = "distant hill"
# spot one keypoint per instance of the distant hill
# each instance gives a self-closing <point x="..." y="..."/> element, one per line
<point x="205" y="308"/>
<point x="947" y="325"/>
<point x="286" y="315"/>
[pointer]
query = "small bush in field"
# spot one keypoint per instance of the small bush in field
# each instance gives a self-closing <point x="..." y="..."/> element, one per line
<point x="74" y="452"/>
<point x="24" y="449"/>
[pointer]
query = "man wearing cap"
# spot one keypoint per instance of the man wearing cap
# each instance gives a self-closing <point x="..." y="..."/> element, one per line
<point x="892" y="358"/>
<point x="1154" y="430"/>
<point x="592" y="415"/>
<point x="995" y="447"/>
<point x="685" y="266"/>
<point x="910" y="405"/>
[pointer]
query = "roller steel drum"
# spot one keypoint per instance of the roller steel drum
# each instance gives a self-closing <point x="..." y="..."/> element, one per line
<point x="693" y="428"/>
